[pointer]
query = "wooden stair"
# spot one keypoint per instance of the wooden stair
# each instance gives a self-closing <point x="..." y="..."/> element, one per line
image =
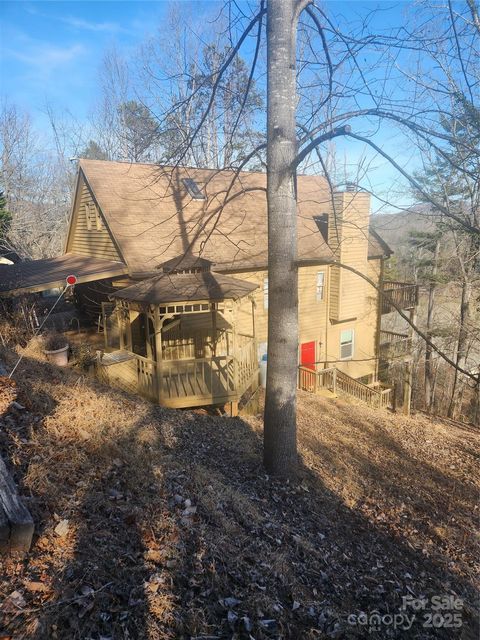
<point x="338" y="383"/>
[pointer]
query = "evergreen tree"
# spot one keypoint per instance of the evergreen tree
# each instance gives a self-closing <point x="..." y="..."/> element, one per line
<point x="93" y="151"/>
<point x="5" y="217"/>
<point x="138" y="131"/>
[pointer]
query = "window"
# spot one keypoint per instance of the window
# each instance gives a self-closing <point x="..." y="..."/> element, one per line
<point x="346" y="344"/>
<point x="320" y="284"/>
<point x="265" y="293"/>
<point x="193" y="189"/>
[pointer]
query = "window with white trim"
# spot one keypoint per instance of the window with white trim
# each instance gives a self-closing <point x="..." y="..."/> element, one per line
<point x="320" y="285"/>
<point x="265" y="293"/>
<point x="346" y="344"/>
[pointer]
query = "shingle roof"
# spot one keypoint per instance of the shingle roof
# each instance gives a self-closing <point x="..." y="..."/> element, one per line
<point x="377" y="247"/>
<point x="184" y="262"/>
<point x="38" y="275"/>
<point x="153" y="218"/>
<point x="186" y="287"/>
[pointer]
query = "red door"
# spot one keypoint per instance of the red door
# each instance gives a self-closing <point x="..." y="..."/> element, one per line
<point x="307" y="355"/>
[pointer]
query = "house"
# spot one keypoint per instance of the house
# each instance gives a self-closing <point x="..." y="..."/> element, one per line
<point x="139" y="238"/>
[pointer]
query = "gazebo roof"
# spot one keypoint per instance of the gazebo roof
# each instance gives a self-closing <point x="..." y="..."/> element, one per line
<point x="186" y="287"/>
<point x="185" y="262"/>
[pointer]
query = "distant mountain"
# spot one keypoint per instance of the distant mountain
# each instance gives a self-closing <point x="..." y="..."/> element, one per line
<point x="395" y="228"/>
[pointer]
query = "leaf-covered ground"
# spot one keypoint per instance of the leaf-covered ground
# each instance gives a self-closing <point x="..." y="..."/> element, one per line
<point x="162" y="524"/>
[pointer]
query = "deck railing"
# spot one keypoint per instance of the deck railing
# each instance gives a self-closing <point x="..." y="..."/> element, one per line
<point x="403" y="294"/>
<point x="338" y="382"/>
<point x="188" y="381"/>
<point x="147" y="377"/>
<point x="378" y="398"/>
<point x="393" y="344"/>
<point x="197" y="378"/>
<point x="246" y="362"/>
<point x="311" y="380"/>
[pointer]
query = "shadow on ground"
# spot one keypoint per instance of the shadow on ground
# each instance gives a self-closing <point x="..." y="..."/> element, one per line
<point x="173" y="530"/>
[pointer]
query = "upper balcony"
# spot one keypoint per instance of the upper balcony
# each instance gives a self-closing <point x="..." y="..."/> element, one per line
<point x="399" y="294"/>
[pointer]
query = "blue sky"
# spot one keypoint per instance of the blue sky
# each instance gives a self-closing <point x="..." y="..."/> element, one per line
<point x="51" y="52"/>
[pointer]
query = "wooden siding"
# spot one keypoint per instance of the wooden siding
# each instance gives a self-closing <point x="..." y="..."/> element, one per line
<point x="312" y="312"/>
<point x="364" y="325"/>
<point x="90" y="239"/>
<point x="348" y="239"/>
<point x="314" y="321"/>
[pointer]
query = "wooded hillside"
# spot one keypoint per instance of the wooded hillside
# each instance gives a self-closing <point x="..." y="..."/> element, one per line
<point x="162" y="524"/>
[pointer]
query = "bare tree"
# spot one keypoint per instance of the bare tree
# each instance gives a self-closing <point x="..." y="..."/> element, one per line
<point x="35" y="187"/>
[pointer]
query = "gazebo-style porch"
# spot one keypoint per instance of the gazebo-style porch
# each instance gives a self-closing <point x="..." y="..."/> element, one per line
<point x="184" y="338"/>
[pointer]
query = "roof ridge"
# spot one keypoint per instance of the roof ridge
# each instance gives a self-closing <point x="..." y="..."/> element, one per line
<point x="173" y="166"/>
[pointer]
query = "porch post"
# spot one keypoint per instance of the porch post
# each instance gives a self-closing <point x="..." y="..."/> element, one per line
<point x="119" y="312"/>
<point x="158" y="323"/>
<point x="235" y="354"/>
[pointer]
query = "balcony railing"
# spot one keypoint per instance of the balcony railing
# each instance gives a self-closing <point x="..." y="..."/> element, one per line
<point x="394" y="345"/>
<point x="401" y="294"/>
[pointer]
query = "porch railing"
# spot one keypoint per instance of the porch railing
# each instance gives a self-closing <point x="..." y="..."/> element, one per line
<point x="338" y="382"/>
<point x="311" y="380"/>
<point x="246" y="362"/>
<point x="403" y="294"/>
<point x="147" y="377"/>
<point x="197" y="378"/>
<point x="193" y="381"/>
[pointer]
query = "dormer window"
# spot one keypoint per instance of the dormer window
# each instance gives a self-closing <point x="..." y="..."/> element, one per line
<point x="193" y="189"/>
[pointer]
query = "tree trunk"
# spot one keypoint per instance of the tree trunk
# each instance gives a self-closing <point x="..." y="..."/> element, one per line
<point x="428" y="348"/>
<point x="280" y="441"/>
<point x="462" y="343"/>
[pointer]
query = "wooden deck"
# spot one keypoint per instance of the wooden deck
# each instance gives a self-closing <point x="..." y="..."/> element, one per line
<point x="187" y="382"/>
<point x="402" y="294"/>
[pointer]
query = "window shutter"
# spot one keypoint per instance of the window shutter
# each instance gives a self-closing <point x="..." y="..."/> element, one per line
<point x="88" y="216"/>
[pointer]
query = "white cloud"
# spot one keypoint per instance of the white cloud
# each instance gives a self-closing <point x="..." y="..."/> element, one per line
<point x="86" y="25"/>
<point x="76" y="22"/>
<point x="44" y="57"/>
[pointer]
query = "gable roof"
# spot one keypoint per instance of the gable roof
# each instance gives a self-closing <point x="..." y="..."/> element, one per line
<point x="153" y="217"/>
<point x="377" y="247"/>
